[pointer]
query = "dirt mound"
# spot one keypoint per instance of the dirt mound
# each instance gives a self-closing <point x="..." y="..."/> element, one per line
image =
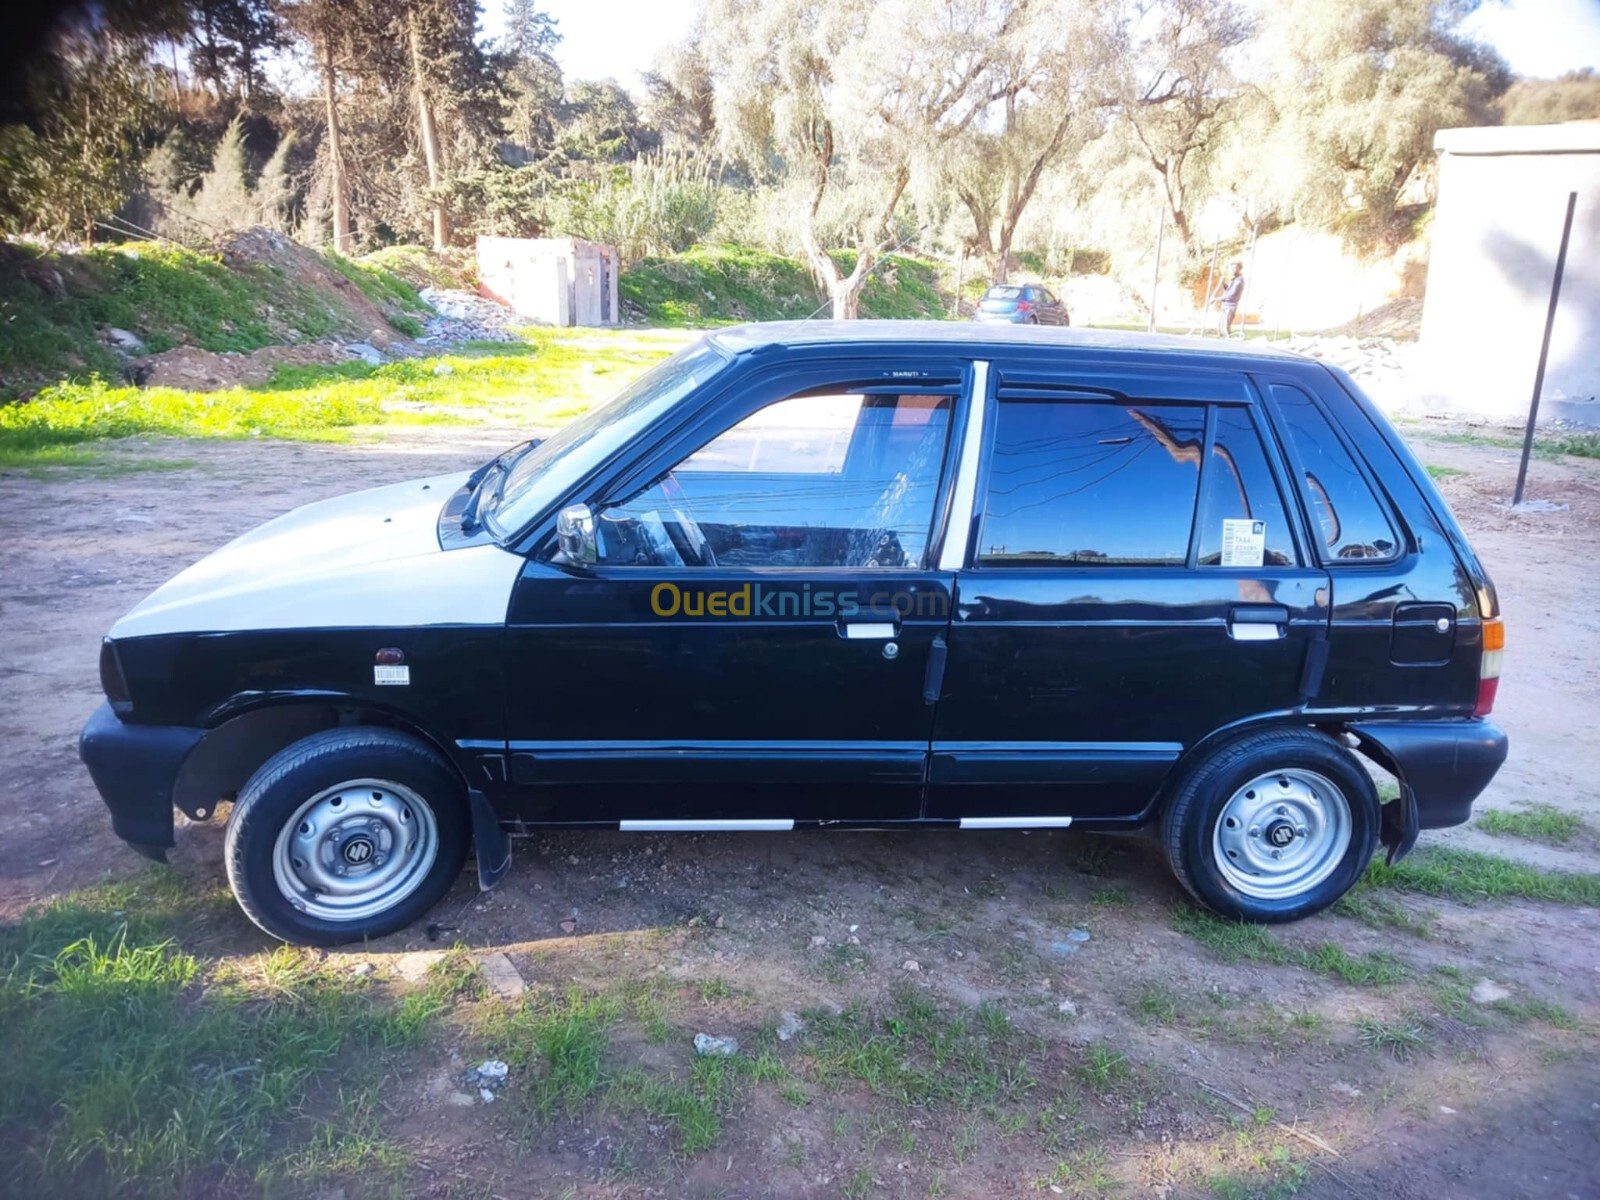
<point x="1399" y="319"/>
<point x="196" y="370"/>
<point x="260" y="247"/>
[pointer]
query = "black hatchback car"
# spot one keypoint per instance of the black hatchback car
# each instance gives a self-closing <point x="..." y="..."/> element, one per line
<point x="890" y="575"/>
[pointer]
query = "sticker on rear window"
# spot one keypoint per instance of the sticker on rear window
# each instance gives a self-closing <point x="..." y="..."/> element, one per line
<point x="392" y="675"/>
<point x="1244" y="542"/>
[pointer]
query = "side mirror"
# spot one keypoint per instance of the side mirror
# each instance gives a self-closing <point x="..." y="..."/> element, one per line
<point x="575" y="534"/>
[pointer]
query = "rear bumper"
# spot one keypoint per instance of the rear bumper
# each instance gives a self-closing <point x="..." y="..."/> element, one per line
<point x="1442" y="766"/>
<point x="1447" y="764"/>
<point x="134" y="768"/>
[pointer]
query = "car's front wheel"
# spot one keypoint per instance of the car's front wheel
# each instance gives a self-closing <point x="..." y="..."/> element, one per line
<point x="347" y="834"/>
<point x="1272" y="827"/>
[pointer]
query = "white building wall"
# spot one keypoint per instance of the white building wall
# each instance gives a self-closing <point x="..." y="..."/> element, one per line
<point x="1502" y="198"/>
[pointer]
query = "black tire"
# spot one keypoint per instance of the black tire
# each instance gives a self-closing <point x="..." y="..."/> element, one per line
<point x="1190" y="832"/>
<point x="297" y="774"/>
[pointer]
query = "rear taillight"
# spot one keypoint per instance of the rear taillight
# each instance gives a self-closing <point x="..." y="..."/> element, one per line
<point x="1494" y="645"/>
<point x="1024" y="305"/>
<point x="112" y="682"/>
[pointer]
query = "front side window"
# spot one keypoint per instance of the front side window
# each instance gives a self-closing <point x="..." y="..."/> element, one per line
<point x="1347" y="515"/>
<point x="830" y="478"/>
<point x="1075" y="483"/>
<point x="548" y="471"/>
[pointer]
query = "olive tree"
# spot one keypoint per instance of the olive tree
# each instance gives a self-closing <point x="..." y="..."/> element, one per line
<point x="849" y="92"/>
<point x="1046" y="94"/>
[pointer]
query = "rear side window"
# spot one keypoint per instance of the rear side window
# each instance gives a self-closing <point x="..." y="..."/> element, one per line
<point x="1344" y="512"/>
<point x="1090" y="484"/>
<point x="1239" y="488"/>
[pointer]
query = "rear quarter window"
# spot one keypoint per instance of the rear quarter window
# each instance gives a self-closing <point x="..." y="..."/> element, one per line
<point x="1346" y="516"/>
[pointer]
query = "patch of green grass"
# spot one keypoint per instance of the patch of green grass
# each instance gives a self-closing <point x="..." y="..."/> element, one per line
<point x="1521" y="1012"/>
<point x="559" y="1043"/>
<point x="1112" y="895"/>
<point x="553" y="378"/>
<point x="1537" y="823"/>
<point x="1380" y="911"/>
<point x="721" y="284"/>
<point x="1444" y="472"/>
<point x="1103" y="1067"/>
<point x="1466" y="875"/>
<point x="919" y="1056"/>
<point x="1276" y="1177"/>
<point x="1157" y="1005"/>
<point x="1234" y="941"/>
<point x="1402" y="1038"/>
<point x="54" y="307"/>
<point x="135" y="1067"/>
<point x="1583" y="445"/>
<point x="387" y="290"/>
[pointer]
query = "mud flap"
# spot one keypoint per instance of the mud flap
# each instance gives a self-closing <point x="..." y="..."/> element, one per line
<point x="1400" y="824"/>
<point x="492" y="843"/>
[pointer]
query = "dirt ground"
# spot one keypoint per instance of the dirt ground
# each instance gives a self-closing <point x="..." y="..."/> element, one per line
<point x="1239" y="1078"/>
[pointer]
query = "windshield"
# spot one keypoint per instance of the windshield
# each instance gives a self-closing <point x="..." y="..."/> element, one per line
<point x="546" y="473"/>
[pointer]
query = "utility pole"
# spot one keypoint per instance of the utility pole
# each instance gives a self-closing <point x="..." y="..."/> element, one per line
<point x="1544" y="347"/>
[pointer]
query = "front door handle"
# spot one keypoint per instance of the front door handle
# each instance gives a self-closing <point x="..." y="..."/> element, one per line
<point x="1257" y="622"/>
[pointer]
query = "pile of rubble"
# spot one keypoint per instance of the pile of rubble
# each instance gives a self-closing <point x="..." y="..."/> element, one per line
<point x="462" y="316"/>
<point x="1385" y="368"/>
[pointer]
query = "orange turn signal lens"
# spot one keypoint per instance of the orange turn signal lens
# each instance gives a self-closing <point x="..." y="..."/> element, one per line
<point x="1494" y="634"/>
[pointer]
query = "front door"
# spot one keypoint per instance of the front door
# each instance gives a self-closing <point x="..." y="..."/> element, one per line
<point x="1135" y="583"/>
<point x="753" y="643"/>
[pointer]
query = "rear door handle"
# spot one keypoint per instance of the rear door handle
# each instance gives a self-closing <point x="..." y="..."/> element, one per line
<point x="1257" y="622"/>
<point x="873" y="629"/>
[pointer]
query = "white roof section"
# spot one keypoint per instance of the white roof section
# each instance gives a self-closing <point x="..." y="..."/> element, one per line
<point x="1573" y="137"/>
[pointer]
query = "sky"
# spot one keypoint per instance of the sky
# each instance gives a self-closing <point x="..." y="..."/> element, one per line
<point x="1541" y="38"/>
<point x="620" y="38"/>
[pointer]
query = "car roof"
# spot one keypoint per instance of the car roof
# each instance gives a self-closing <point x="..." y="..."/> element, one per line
<point x="970" y="337"/>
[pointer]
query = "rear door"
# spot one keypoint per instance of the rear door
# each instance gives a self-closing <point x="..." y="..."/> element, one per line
<point x="1135" y="582"/>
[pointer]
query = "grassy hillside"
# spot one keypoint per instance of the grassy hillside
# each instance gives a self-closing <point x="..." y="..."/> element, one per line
<point x="55" y="308"/>
<point x="715" y="285"/>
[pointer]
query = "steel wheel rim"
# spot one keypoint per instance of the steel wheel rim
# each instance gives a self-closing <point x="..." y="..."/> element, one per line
<point x="1282" y="834"/>
<point x="355" y="850"/>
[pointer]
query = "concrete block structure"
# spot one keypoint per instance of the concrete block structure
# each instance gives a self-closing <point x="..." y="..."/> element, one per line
<point x="1496" y="233"/>
<point x="552" y="281"/>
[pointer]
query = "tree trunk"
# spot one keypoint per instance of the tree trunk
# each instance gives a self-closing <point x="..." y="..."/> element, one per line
<point x="1172" y="178"/>
<point x="338" y="185"/>
<point x="428" y="131"/>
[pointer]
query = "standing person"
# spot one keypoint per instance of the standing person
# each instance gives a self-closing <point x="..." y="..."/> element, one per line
<point x="1232" y="294"/>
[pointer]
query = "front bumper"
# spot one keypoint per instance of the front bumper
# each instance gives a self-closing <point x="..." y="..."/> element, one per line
<point x="134" y="768"/>
<point x="1442" y="766"/>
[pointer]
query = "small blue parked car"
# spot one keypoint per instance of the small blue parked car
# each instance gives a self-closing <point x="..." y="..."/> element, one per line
<point x="1022" y="304"/>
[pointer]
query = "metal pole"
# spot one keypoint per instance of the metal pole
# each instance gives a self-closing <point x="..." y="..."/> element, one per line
<point x="1544" y="347"/>
<point x="1155" y="283"/>
<point x="1211" y="268"/>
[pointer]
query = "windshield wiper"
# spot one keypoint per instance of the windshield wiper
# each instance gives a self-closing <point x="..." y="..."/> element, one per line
<point x="472" y="515"/>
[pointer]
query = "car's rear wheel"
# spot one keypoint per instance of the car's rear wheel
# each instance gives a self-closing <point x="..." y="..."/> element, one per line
<point x="347" y="834"/>
<point x="1272" y="827"/>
